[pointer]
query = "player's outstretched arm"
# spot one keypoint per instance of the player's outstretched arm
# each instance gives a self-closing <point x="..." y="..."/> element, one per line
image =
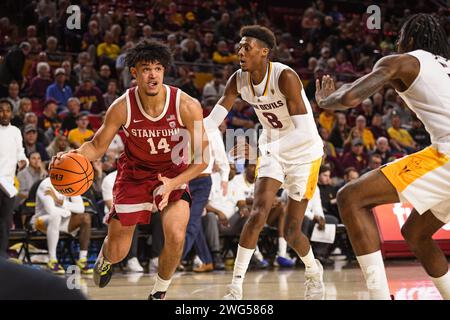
<point x="116" y="116"/>
<point x="223" y="106"/>
<point x="352" y="94"/>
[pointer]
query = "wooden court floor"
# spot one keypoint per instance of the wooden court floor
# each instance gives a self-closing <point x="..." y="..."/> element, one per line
<point x="343" y="281"/>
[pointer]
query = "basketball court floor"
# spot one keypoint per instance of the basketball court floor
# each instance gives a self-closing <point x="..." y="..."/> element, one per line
<point x="407" y="280"/>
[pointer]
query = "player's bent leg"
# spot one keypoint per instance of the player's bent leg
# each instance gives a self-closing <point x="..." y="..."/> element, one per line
<point x="355" y="201"/>
<point x="314" y="286"/>
<point x="418" y="231"/>
<point x="174" y="220"/>
<point x="265" y="192"/>
<point x="115" y="248"/>
<point x="83" y="222"/>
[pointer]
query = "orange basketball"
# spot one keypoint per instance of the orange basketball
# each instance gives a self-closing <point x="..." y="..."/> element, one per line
<point x="73" y="175"/>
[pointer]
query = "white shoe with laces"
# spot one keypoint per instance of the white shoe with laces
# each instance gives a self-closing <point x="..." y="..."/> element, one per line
<point x="234" y="292"/>
<point x="133" y="265"/>
<point x="314" y="287"/>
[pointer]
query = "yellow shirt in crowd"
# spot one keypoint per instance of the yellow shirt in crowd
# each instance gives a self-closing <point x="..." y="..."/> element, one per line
<point x="79" y="137"/>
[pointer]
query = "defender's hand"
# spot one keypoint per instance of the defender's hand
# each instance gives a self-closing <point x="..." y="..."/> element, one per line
<point x="326" y="89"/>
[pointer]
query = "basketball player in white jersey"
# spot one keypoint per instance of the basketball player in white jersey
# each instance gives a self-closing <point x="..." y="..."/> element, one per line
<point x="291" y="151"/>
<point x="421" y="75"/>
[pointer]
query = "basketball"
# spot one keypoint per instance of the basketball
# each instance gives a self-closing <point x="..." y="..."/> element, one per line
<point x="73" y="175"/>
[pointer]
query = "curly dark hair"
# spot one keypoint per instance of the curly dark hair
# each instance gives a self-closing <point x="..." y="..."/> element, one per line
<point x="261" y="33"/>
<point x="426" y="33"/>
<point x="148" y="51"/>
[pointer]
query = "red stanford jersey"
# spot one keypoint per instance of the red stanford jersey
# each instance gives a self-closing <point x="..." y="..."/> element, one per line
<point x="153" y="145"/>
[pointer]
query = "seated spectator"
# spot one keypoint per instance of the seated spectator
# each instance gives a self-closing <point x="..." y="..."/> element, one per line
<point x="59" y="144"/>
<point x="111" y="93"/>
<point x="367" y="110"/>
<point x="204" y="64"/>
<point x="49" y="115"/>
<point x="107" y="51"/>
<point x="39" y="84"/>
<point x="224" y="29"/>
<point x="59" y="90"/>
<point x="13" y="95"/>
<point x="365" y="133"/>
<point x="104" y="78"/>
<point x="328" y="146"/>
<point x="71" y="78"/>
<point x="116" y="146"/>
<point x="30" y="175"/>
<point x="283" y="54"/>
<point x="31" y="144"/>
<point x="327" y="119"/>
<point x="31" y="118"/>
<point x="213" y="89"/>
<point x="377" y="128"/>
<point x="81" y="133"/>
<point x="400" y="138"/>
<point x="25" y="106"/>
<point x="419" y="134"/>
<point x="222" y="55"/>
<point x="53" y="54"/>
<point x="56" y="213"/>
<point x="375" y="162"/>
<point x="69" y="122"/>
<point x="189" y="51"/>
<point x="90" y="97"/>
<point x="350" y="174"/>
<point x="54" y="130"/>
<point x="328" y="192"/>
<point x="383" y="150"/>
<point x="356" y="158"/>
<point x="209" y="45"/>
<point x="340" y="131"/>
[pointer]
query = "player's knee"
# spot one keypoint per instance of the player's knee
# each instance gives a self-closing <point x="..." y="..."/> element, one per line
<point x="257" y="220"/>
<point x="116" y="252"/>
<point x="86" y="219"/>
<point x="174" y="238"/>
<point x="54" y="219"/>
<point x="346" y="198"/>
<point x="413" y="237"/>
<point x="291" y="230"/>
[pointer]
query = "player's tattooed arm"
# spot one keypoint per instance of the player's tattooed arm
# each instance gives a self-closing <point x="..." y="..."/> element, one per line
<point x="352" y="94"/>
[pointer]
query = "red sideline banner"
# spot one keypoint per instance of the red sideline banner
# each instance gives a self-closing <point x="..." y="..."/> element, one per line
<point x="390" y="219"/>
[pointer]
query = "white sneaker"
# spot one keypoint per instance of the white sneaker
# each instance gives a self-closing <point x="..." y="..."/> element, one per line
<point x="134" y="266"/>
<point x="234" y="292"/>
<point x="314" y="287"/>
<point x="153" y="265"/>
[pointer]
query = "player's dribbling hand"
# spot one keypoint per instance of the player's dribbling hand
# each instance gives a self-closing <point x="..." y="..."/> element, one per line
<point x="55" y="159"/>
<point x="326" y="89"/>
<point x="167" y="189"/>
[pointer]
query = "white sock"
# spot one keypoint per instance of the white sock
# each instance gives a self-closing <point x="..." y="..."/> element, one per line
<point x="443" y="285"/>
<point x="372" y="266"/>
<point x="243" y="257"/>
<point x="310" y="261"/>
<point x="161" y="285"/>
<point x="53" y="223"/>
<point x="282" y="247"/>
<point x="83" y="254"/>
<point x="258" y="254"/>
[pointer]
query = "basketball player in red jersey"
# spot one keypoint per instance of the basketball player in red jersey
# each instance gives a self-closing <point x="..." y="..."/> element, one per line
<point x="152" y="171"/>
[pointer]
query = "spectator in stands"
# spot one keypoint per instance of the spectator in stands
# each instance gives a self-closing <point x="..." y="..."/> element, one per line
<point x="214" y="89"/>
<point x="400" y="138"/>
<point x="31" y="144"/>
<point x="90" y="97"/>
<point x="12" y="66"/>
<point x="53" y="54"/>
<point x="111" y="93"/>
<point x="367" y="110"/>
<point x="325" y="54"/>
<point x="107" y="51"/>
<point x="328" y="192"/>
<point x="91" y="38"/>
<point x="56" y="213"/>
<point x="222" y="55"/>
<point x="356" y="158"/>
<point x="30" y="175"/>
<point x="58" y="144"/>
<point x="83" y="59"/>
<point x="419" y="134"/>
<point x="73" y="106"/>
<point x="240" y="116"/>
<point x="49" y="115"/>
<point x="375" y="162"/>
<point x="350" y="174"/>
<point x="378" y="105"/>
<point x="147" y="33"/>
<point x="104" y="78"/>
<point x="186" y="82"/>
<point x="224" y="30"/>
<point x="191" y="38"/>
<point x="122" y="71"/>
<point x="383" y="149"/>
<point x="327" y="119"/>
<point x="208" y="44"/>
<point x="71" y="78"/>
<point x="81" y="133"/>
<point x="204" y="64"/>
<point x="329" y="148"/>
<point x="25" y="106"/>
<point x="283" y="54"/>
<point x="103" y="18"/>
<point x="377" y="126"/>
<point x="59" y="90"/>
<point x="365" y="133"/>
<point x="88" y="72"/>
<point x="13" y="95"/>
<point x="174" y="19"/>
<point x="31" y="118"/>
<point x="189" y="52"/>
<point x="11" y="155"/>
<point x="340" y="131"/>
<point x="54" y="130"/>
<point x="39" y="84"/>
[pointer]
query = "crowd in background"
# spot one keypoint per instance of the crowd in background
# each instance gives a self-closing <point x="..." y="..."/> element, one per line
<point x="60" y="82"/>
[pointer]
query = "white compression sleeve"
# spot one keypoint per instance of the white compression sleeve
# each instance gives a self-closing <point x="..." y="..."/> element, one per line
<point x="215" y="118"/>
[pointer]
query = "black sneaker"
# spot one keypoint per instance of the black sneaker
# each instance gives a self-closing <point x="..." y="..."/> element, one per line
<point x="102" y="272"/>
<point x="159" y="295"/>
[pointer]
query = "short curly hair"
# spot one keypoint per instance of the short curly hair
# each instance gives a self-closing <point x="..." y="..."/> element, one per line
<point x="261" y="33"/>
<point x="148" y="51"/>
